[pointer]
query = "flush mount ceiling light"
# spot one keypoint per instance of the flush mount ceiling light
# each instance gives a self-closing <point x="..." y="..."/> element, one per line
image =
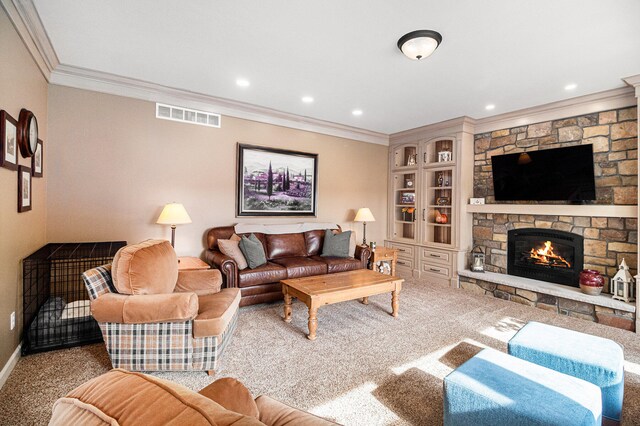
<point x="419" y="44"/>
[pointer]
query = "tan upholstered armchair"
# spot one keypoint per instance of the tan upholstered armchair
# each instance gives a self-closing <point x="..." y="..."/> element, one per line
<point x="153" y="317"/>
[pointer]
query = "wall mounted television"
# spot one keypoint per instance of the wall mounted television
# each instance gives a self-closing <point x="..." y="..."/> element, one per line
<point x="559" y="174"/>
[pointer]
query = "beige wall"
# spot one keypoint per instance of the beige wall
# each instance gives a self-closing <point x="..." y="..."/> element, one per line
<point x="113" y="166"/>
<point x="21" y="86"/>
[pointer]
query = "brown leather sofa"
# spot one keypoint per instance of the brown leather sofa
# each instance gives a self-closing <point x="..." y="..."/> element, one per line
<point x="288" y="256"/>
<point x="124" y="398"/>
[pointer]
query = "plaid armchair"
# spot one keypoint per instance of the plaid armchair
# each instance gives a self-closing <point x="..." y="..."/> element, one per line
<point x="187" y="329"/>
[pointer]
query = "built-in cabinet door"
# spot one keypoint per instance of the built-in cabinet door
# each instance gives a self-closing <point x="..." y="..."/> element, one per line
<point x="404" y="156"/>
<point x="404" y="205"/>
<point x="437" y="208"/>
<point x="438" y="172"/>
<point x="404" y="193"/>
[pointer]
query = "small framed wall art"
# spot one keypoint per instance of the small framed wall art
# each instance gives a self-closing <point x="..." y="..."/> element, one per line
<point x="8" y="141"/>
<point x="24" y="189"/>
<point x="37" y="161"/>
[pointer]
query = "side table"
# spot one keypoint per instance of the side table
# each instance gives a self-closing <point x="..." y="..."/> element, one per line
<point x="384" y="254"/>
<point x="189" y="263"/>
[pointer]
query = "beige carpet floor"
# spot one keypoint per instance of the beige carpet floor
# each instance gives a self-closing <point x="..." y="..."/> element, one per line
<point x="365" y="368"/>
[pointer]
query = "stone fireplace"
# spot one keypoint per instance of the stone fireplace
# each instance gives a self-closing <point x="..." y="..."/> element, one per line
<point x="583" y="240"/>
<point x="545" y="254"/>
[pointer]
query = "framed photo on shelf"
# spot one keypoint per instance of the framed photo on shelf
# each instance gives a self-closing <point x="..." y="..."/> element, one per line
<point x="37" y="161"/>
<point x="24" y="189"/>
<point x="276" y="182"/>
<point x="408" y="198"/>
<point x="444" y="156"/>
<point x="8" y="141"/>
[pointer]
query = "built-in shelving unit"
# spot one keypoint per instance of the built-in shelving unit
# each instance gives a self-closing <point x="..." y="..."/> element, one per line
<point x="426" y="213"/>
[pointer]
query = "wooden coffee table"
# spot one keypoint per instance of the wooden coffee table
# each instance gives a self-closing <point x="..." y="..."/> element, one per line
<point x="322" y="290"/>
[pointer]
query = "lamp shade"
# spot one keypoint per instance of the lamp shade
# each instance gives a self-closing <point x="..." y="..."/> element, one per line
<point x="174" y="214"/>
<point x="364" y="215"/>
<point x="419" y="44"/>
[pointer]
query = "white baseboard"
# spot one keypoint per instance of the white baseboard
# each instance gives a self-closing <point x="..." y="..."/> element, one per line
<point x="8" y="367"/>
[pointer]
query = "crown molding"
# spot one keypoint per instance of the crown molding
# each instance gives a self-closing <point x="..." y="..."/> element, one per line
<point x="596" y="102"/>
<point x="453" y="126"/>
<point x="97" y="81"/>
<point x="634" y="81"/>
<point x="25" y="19"/>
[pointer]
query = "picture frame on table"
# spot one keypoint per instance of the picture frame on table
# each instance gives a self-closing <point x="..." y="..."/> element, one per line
<point x="276" y="182"/>
<point x="8" y="141"/>
<point x="24" y="189"/>
<point x="37" y="161"/>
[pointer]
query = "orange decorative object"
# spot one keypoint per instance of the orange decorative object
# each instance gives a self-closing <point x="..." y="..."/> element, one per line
<point x="444" y="218"/>
<point x="438" y="217"/>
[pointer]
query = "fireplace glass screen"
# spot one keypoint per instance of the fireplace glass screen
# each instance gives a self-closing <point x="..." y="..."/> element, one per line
<point x="545" y="255"/>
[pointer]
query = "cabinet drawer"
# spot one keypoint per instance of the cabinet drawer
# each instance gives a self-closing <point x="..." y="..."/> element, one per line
<point x="404" y="263"/>
<point x="435" y="255"/>
<point x="430" y="268"/>
<point x="405" y="251"/>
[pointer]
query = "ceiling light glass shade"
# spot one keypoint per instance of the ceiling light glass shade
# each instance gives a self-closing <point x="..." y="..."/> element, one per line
<point x="364" y="215"/>
<point x="174" y="214"/>
<point x="419" y="44"/>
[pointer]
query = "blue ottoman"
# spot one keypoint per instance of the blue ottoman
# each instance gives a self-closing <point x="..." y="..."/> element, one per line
<point x="494" y="388"/>
<point x="594" y="359"/>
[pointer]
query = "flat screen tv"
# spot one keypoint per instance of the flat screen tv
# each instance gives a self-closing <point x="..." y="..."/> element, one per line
<point x="560" y="174"/>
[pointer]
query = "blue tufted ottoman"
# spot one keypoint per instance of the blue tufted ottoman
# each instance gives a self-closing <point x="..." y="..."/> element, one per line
<point x="594" y="359"/>
<point x="494" y="388"/>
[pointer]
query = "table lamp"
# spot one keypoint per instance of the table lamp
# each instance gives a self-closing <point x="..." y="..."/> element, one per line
<point x="364" y="215"/>
<point x="173" y="214"/>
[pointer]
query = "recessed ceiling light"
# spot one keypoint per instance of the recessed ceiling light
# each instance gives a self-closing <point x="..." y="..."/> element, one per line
<point x="307" y="99"/>
<point x="571" y="86"/>
<point x="356" y="112"/>
<point x="243" y="82"/>
<point x="490" y="107"/>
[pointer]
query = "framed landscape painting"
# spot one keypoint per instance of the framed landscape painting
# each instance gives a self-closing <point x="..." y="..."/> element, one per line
<point x="276" y="182"/>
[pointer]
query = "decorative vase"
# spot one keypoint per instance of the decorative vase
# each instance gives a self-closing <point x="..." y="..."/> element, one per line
<point x="591" y="282"/>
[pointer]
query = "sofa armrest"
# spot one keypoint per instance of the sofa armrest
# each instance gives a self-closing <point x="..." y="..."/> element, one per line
<point x="145" y="308"/>
<point x="200" y="282"/>
<point x="232" y="395"/>
<point x="363" y="253"/>
<point x="226" y="265"/>
<point x="275" y="413"/>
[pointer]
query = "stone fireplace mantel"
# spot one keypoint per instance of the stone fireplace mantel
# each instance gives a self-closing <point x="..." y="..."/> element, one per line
<point x="543" y="287"/>
<point x="586" y="210"/>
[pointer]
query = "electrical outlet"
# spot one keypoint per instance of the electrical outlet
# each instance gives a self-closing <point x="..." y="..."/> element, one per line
<point x="13" y="320"/>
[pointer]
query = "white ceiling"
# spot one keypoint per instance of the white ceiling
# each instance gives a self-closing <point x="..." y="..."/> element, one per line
<point x="511" y="53"/>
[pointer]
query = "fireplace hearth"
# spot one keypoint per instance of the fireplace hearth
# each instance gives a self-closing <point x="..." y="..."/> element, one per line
<point x="545" y="255"/>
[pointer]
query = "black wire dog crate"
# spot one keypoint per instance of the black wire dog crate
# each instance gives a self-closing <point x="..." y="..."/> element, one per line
<point x="56" y="309"/>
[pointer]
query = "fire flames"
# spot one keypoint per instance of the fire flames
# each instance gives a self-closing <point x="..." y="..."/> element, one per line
<point x="545" y="256"/>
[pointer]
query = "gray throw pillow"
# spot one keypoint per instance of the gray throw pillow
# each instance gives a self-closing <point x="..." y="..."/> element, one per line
<point x="253" y="251"/>
<point x="336" y="245"/>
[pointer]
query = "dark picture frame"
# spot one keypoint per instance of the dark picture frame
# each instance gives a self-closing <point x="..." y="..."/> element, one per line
<point x="8" y="141"/>
<point x="276" y="182"/>
<point x="24" y="189"/>
<point x="37" y="160"/>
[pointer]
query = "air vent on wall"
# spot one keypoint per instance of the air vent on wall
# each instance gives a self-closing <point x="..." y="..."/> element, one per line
<point x="186" y="115"/>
